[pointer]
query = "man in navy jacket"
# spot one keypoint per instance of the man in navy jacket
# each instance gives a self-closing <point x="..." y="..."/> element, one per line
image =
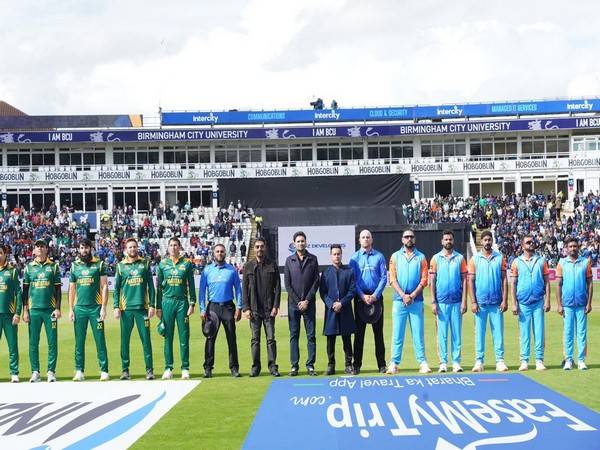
<point x="301" y="275"/>
<point x="337" y="290"/>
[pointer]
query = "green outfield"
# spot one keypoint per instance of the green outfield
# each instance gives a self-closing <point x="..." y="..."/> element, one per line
<point x="220" y="411"/>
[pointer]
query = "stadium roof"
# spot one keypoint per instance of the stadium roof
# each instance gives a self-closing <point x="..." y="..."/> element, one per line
<point x="7" y="110"/>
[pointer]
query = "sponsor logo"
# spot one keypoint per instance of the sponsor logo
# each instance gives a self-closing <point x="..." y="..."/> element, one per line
<point x="585" y="106"/>
<point x="327" y="115"/>
<point x="445" y="111"/>
<point x="210" y="118"/>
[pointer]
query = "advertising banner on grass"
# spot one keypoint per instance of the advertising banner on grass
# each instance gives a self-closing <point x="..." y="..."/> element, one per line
<point x="436" y="412"/>
<point x="104" y="415"/>
<point x="318" y="241"/>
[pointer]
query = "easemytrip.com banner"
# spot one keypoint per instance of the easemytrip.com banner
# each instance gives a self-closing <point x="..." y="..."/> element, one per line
<point x="318" y="241"/>
<point x="446" y="111"/>
<point x="435" y="413"/>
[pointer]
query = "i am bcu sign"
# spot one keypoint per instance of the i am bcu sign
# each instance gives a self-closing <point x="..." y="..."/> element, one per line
<point x="437" y="412"/>
<point x="76" y="416"/>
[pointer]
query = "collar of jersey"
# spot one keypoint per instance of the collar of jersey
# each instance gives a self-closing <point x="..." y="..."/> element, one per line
<point x="48" y="261"/>
<point x="127" y="261"/>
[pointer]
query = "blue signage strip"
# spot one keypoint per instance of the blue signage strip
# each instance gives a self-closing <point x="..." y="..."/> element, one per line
<point x="434" y="412"/>
<point x="336" y="131"/>
<point x="452" y="111"/>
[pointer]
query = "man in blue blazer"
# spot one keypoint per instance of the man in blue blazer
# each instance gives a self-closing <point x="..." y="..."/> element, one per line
<point x="337" y="289"/>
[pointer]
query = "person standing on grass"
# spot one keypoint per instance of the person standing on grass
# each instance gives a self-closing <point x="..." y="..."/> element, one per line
<point x="337" y="289"/>
<point x="574" y="293"/>
<point x="531" y="299"/>
<point x="261" y="296"/>
<point x="448" y="281"/>
<point x="175" y="300"/>
<point x="11" y="305"/>
<point x="408" y="276"/>
<point x="134" y="303"/>
<point x="487" y="287"/>
<point x="222" y="282"/>
<point x="301" y="274"/>
<point x="41" y="303"/>
<point x="88" y="297"/>
<point x="370" y="274"/>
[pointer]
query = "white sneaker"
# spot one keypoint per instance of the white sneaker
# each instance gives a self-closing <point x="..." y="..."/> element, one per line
<point x="424" y="368"/>
<point x="35" y="377"/>
<point x="478" y="367"/>
<point x="14" y="378"/>
<point x="568" y="365"/>
<point x="524" y="366"/>
<point x="456" y="368"/>
<point x="51" y="376"/>
<point x="539" y="365"/>
<point x="78" y="376"/>
<point x="443" y="368"/>
<point x="185" y="374"/>
<point x="167" y="374"/>
<point x="392" y="369"/>
<point x="581" y="365"/>
<point x="501" y="367"/>
<point x="104" y="376"/>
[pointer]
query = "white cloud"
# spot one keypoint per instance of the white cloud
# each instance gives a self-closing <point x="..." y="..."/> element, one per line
<point x="121" y="57"/>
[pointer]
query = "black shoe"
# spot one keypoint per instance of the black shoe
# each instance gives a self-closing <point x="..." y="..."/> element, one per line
<point x="330" y="370"/>
<point x="125" y="375"/>
<point x="356" y="370"/>
<point x="254" y="373"/>
<point x="207" y="373"/>
<point x="294" y="372"/>
<point x="349" y="370"/>
<point x="235" y="373"/>
<point x="149" y="374"/>
<point x="275" y="373"/>
<point x="311" y="371"/>
<point x="382" y="369"/>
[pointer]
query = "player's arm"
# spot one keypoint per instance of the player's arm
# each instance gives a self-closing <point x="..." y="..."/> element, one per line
<point x="191" y="289"/>
<point x="464" y="279"/>
<point x="356" y="269"/>
<point x="57" y="291"/>
<point x="276" y="294"/>
<point x="472" y="292"/>
<point x="513" y="287"/>
<point x="117" y="292"/>
<point x="504" y="303"/>
<point x="151" y="291"/>
<point x="159" y="287"/>
<point x="72" y="293"/>
<point x="25" y="297"/>
<point x="237" y="288"/>
<point x="432" y="287"/>
<point x="559" y="284"/>
<point x="394" y="278"/>
<point x="203" y="286"/>
<point x="590" y="286"/>
<point x="18" y="297"/>
<point x="383" y="278"/>
<point x="422" y="281"/>
<point x="546" y="275"/>
<point x="351" y="291"/>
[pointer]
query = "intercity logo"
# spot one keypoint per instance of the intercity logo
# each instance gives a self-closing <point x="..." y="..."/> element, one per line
<point x="212" y="118"/>
<point x="454" y="111"/>
<point x="84" y="415"/>
<point x="327" y="115"/>
<point x="585" y="106"/>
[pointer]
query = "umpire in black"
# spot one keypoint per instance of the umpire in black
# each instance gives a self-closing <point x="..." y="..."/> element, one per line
<point x="301" y="282"/>
<point x="261" y="294"/>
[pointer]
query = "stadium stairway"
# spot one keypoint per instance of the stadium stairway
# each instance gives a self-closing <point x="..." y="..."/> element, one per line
<point x="251" y="251"/>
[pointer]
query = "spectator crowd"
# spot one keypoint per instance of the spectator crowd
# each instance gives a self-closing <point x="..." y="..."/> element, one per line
<point x="63" y="230"/>
<point x="512" y="216"/>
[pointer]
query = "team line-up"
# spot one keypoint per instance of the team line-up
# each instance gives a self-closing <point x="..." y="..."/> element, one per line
<point x="223" y="300"/>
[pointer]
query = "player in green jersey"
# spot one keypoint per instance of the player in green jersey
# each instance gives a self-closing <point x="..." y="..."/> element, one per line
<point x="11" y="302"/>
<point x="41" y="302"/>
<point x="88" y="295"/>
<point x="175" y="285"/>
<point x="134" y="302"/>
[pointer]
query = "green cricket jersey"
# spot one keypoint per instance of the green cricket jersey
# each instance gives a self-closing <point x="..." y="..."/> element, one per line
<point x="134" y="285"/>
<point x="175" y="280"/>
<point x="87" y="281"/>
<point x="11" y="300"/>
<point x="42" y="279"/>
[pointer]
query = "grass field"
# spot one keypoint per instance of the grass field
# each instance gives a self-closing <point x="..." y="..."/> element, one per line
<point x="220" y="411"/>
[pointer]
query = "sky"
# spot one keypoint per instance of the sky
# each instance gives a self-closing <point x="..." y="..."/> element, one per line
<point x="133" y="56"/>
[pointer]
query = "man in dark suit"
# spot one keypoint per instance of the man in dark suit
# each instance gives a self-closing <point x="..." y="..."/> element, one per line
<point x="261" y="294"/>
<point x="337" y="289"/>
<point x="301" y="275"/>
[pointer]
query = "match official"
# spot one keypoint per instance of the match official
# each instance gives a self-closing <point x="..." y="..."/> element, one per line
<point x="370" y="274"/>
<point x="574" y="301"/>
<point x="531" y="298"/>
